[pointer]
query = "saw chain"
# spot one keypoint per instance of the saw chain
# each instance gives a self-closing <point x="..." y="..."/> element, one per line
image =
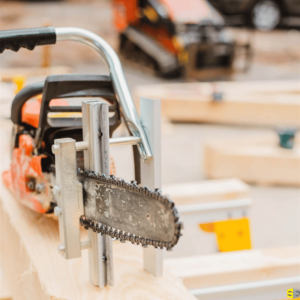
<point x="118" y="233"/>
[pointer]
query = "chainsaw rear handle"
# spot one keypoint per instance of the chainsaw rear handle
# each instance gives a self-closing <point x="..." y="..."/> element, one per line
<point x="29" y="38"/>
<point x="14" y="39"/>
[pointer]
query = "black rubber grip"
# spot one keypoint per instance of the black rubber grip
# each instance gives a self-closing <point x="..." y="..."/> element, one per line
<point x="26" y="38"/>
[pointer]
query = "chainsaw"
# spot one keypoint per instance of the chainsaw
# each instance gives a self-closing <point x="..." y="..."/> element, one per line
<point x="60" y="152"/>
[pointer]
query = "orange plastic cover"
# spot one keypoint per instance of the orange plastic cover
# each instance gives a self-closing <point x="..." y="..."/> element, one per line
<point x="25" y="167"/>
<point x="31" y="110"/>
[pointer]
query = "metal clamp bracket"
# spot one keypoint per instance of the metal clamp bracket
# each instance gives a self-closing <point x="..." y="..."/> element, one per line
<point x="70" y="200"/>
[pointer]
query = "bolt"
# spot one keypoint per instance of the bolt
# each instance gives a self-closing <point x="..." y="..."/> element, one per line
<point x="56" y="190"/>
<point x="57" y="211"/>
<point x="30" y="185"/>
<point x="39" y="188"/>
<point x="55" y="149"/>
<point x="61" y="249"/>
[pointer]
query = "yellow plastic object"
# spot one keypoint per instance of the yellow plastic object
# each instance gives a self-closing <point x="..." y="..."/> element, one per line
<point x="208" y="227"/>
<point x="66" y="115"/>
<point x="19" y="82"/>
<point x="233" y="235"/>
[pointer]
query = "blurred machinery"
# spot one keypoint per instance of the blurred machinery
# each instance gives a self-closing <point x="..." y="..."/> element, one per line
<point x="174" y="36"/>
<point x="264" y="15"/>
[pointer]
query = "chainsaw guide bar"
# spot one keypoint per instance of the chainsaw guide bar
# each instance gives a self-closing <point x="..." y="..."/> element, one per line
<point x="128" y="212"/>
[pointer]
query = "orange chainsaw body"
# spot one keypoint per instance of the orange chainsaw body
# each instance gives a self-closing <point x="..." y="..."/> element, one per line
<point x="41" y="115"/>
<point x="25" y="172"/>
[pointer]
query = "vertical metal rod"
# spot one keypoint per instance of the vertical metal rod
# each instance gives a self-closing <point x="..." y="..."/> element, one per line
<point x="95" y="121"/>
<point x="69" y="198"/>
<point x="151" y="172"/>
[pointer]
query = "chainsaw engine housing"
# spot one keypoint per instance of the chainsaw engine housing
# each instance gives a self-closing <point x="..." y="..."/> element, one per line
<point x="40" y="114"/>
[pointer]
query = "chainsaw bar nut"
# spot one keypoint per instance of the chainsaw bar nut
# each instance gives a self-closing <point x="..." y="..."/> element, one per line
<point x="39" y="188"/>
<point x="57" y="211"/>
<point x="55" y="149"/>
<point x="56" y="190"/>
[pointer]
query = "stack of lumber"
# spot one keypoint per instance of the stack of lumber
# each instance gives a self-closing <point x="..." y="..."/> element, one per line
<point x="207" y="201"/>
<point x="268" y="103"/>
<point x="207" y="191"/>
<point x="236" y="267"/>
<point x="263" y="274"/>
<point x="256" y="160"/>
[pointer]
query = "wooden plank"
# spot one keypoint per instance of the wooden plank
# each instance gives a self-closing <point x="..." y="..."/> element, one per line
<point x="20" y="272"/>
<point x="31" y="251"/>
<point x="207" y="191"/>
<point x="4" y="292"/>
<point x="257" y="160"/>
<point x="236" y="267"/>
<point x="271" y="103"/>
<point x="9" y="73"/>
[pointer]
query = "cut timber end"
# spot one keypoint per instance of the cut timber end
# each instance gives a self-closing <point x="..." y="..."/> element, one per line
<point x="253" y="103"/>
<point x="256" y="160"/>
<point x="236" y="267"/>
<point x="207" y="191"/>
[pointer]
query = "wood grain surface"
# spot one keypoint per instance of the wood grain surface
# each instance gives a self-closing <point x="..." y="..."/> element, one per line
<point x="35" y="270"/>
<point x="256" y="160"/>
<point x="207" y="191"/>
<point x="267" y="103"/>
<point x="236" y="267"/>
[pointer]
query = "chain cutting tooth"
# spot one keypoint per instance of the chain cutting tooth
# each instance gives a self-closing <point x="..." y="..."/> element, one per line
<point x="132" y="239"/>
<point x="112" y="234"/>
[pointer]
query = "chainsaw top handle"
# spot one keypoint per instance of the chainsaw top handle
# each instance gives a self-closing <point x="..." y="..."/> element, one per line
<point x="29" y="38"/>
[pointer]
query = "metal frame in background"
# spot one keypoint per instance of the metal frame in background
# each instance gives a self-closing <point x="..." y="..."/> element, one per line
<point x="150" y="112"/>
<point x="258" y="290"/>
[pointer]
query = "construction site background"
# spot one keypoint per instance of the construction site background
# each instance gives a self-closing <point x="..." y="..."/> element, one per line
<point x="274" y="219"/>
